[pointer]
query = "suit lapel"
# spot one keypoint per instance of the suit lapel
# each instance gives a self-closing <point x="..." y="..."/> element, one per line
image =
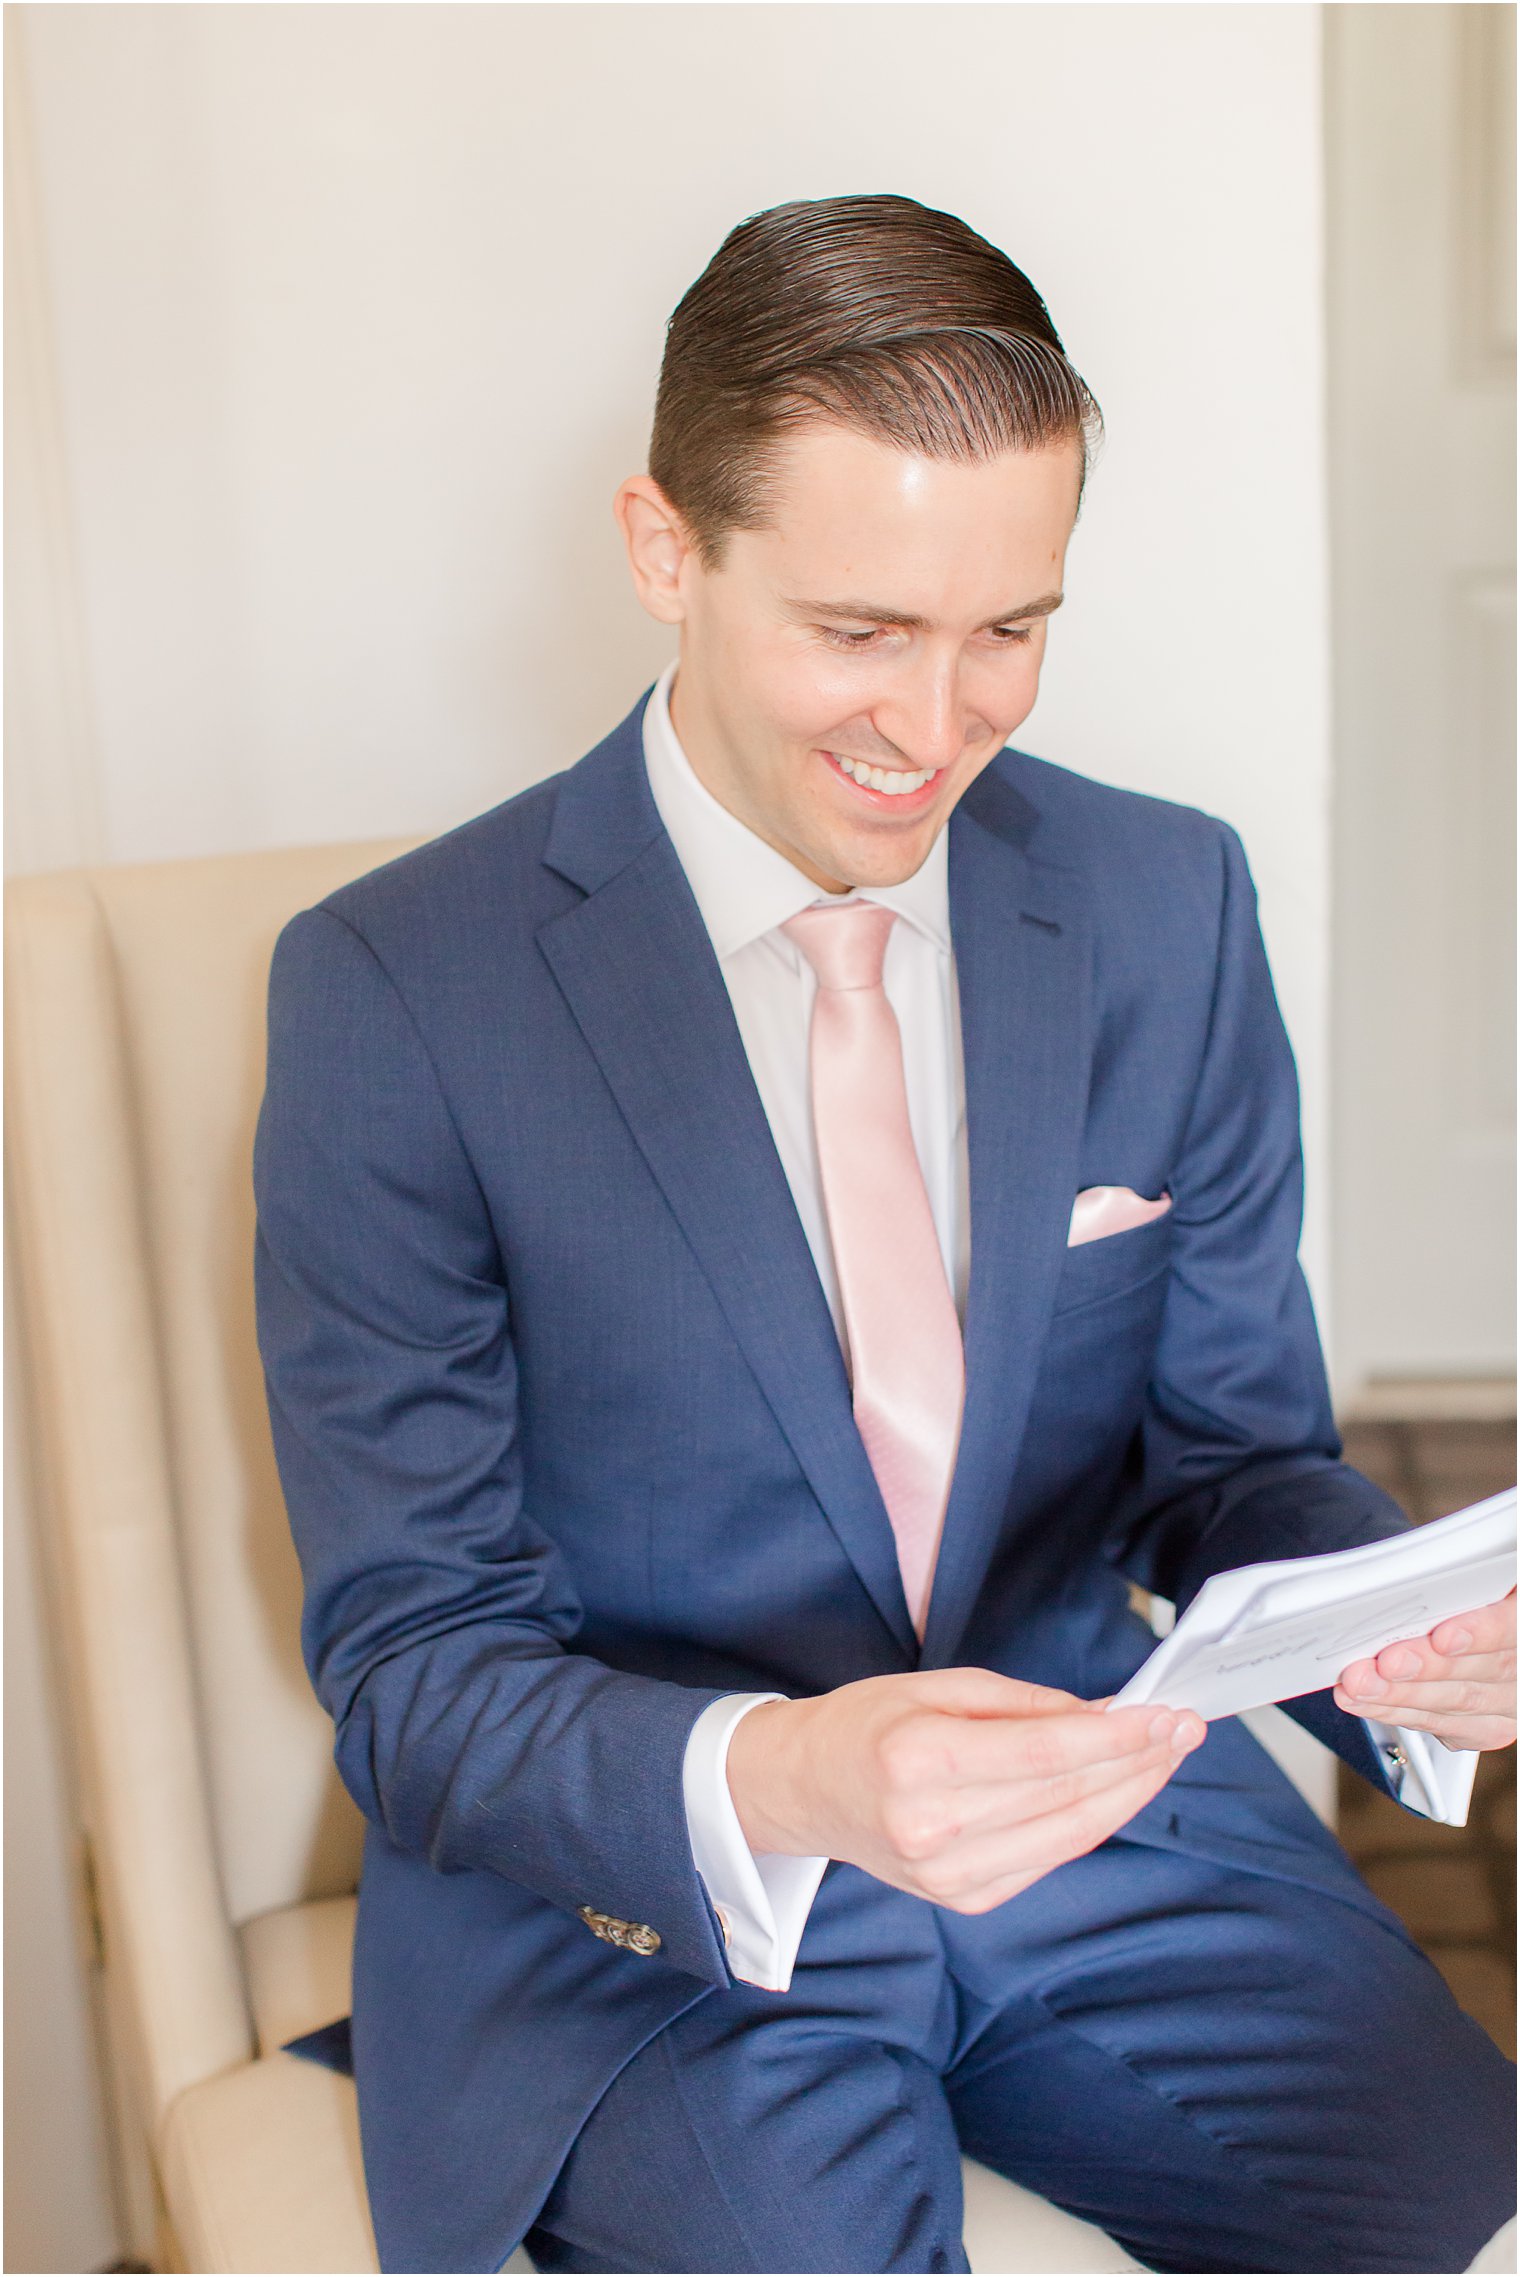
<point x="1022" y="934"/>
<point x="637" y="970"/>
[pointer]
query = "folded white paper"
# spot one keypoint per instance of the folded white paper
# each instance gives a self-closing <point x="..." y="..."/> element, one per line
<point x="1263" y="1633"/>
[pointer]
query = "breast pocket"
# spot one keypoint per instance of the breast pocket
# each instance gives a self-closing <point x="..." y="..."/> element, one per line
<point x="1095" y="1271"/>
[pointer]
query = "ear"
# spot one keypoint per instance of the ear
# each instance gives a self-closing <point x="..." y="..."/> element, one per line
<point x="659" y="549"/>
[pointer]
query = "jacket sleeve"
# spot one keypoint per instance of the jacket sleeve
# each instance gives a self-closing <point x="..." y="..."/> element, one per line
<point x="1238" y="1458"/>
<point x="439" y="1618"/>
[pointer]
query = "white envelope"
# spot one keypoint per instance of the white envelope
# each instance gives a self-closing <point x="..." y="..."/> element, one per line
<point x="1264" y="1633"/>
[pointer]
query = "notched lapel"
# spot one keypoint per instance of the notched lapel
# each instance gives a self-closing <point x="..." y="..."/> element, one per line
<point x="1023" y="950"/>
<point x="638" y="972"/>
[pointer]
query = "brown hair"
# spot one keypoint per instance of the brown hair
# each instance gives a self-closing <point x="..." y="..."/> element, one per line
<point x="875" y="312"/>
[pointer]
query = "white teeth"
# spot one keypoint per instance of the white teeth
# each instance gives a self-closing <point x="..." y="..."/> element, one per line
<point x="895" y="783"/>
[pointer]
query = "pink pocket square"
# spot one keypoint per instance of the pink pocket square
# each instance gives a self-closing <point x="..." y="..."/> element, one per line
<point x="1101" y="1210"/>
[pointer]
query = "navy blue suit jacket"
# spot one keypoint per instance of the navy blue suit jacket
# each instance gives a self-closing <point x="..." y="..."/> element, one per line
<point x="566" y="1437"/>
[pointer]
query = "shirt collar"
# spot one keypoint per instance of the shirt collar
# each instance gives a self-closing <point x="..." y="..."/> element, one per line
<point x="743" y="887"/>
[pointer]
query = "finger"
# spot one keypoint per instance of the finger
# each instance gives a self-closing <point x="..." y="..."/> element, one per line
<point x="1474" y="1673"/>
<point x="986" y="1754"/>
<point x="981" y="1692"/>
<point x="1034" y="1846"/>
<point x="979" y="1872"/>
<point x="1421" y="1656"/>
<point x="1490" y="1629"/>
<point x="1454" y="1698"/>
<point x="1481" y="1731"/>
<point x="1095" y="1817"/>
<point x="969" y="1811"/>
<point x="1403" y="1703"/>
<point x="1411" y="1657"/>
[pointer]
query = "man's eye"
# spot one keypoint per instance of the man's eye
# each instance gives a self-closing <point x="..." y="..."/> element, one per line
<point x="847" y="639"/>
<point x="1013" y="636"/>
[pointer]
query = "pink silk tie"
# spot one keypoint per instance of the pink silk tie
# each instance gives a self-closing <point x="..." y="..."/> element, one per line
<point x="908" y="1368"/>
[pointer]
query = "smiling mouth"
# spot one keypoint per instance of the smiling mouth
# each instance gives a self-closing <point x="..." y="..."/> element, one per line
<point x="892" y="783"/>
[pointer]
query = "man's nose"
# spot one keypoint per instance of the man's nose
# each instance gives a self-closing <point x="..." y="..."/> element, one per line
<point x="925" y="719"/>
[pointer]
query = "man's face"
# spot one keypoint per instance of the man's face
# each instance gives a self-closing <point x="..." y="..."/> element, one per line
<point x="846" y="672"/>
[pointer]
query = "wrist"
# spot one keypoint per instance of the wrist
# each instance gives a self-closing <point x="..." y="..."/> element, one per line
<point x="762" y="1779"/>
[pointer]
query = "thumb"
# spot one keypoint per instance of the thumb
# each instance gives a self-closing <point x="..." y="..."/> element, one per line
<point x="981" y="1692"/>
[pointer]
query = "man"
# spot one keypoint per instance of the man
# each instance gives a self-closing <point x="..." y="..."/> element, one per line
<point x="763" y="1238"/>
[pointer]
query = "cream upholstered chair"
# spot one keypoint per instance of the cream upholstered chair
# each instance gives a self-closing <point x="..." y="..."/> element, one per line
<point x="225" y="1852"/>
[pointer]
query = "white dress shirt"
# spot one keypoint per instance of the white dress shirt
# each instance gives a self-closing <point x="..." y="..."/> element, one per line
<point x="745" y="892"/>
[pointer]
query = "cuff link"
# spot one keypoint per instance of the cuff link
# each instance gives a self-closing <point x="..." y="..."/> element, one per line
<point x="630" y="1936"/>
<point x="1396" y="1756"/>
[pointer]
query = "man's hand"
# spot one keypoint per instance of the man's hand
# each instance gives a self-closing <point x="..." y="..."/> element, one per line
<point x="1458" y="1682"/>
<point x="953" y="1784"/>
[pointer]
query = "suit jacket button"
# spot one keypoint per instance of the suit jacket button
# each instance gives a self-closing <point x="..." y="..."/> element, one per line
<point x="628" y="1936"/>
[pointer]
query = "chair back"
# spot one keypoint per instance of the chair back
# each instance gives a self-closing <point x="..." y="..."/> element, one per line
<point x="135" y="1047"/>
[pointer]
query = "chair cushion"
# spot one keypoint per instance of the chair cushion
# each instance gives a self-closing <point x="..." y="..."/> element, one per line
<point x="297" y="1962"/>
<point x="1009" y="2232"/>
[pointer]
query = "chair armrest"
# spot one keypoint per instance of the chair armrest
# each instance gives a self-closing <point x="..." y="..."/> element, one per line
<point x="262" y="2173"/>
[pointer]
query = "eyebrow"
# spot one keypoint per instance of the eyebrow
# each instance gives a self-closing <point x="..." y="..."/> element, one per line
<point x="873" y="613"/>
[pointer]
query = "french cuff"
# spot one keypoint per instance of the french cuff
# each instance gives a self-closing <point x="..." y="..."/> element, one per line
<point x="1432" y="1780"/>
<point x="762" y="1904"/>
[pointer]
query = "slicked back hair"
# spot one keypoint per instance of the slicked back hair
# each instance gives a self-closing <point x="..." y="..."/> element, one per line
<point x="875" y="313"/>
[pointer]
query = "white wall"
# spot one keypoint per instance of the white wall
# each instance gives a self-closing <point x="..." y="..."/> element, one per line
<point x="340" y="325"/>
